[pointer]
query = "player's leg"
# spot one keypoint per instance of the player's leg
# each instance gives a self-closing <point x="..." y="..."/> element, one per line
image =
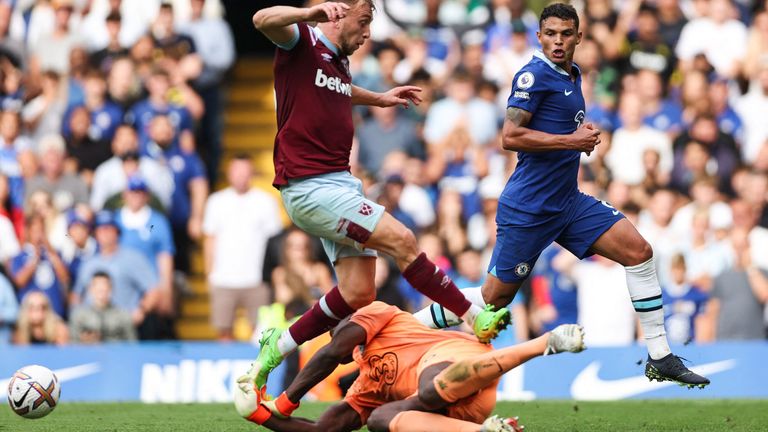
<point x="514" y="255"/>
<point x="332" y="208"/>
<point x="410" y="415"/>
<point x="599" y="228"/>
<point x="418" y="421"/>
<point x="355" y="275"/>
<point x="467" y="376"/>
<point x="393" y="238"/>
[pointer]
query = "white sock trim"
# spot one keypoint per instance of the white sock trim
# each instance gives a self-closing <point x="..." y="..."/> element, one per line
<point x="286" y="344"/>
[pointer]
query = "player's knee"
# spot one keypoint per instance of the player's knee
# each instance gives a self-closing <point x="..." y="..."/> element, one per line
<point x="407" y="248"/>
<point x="360" y="298"/>
<point x="497" y="293"/>
<point x="640" y="254"/>
<point x="380" y="419"/>
<point x="359" y="291"/>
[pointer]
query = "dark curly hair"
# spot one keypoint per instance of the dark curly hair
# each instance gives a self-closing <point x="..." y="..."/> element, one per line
<point x="560" y="10"/>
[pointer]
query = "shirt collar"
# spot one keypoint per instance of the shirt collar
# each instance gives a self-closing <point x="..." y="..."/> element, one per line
<point x="540" y="55"/>
<point x="324" y="39"/>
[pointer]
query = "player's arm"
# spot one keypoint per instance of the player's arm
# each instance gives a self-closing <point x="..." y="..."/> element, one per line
<point x="395" y="96"/>
<point x="277" y="22"/>
<point x="339" y="351"/>
<point x="516" y="136"/>
<point x="337" y="418"/>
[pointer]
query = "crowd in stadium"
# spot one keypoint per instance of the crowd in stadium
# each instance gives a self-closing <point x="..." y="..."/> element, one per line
<point x="109" y="142"/>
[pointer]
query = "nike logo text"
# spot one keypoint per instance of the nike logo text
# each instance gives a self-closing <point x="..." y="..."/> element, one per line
<point x="568" y="93"/>
<point x="589" y="386"/>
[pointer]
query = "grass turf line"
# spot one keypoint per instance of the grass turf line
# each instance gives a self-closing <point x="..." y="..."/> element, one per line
<point x="562" y="416"/>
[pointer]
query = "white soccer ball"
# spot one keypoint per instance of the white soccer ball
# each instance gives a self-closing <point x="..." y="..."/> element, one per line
<point x="33" y="391"/>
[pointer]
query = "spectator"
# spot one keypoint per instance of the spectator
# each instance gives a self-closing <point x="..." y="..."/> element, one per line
<point x="103" y="58"/>
<point x="694" y="85"/>
<point x="178" y="56"/>
<point x="238" y="222"/>
<point x="300" y="276"/>
<point x="99" y="320"/>
<point x="158" y="102"/>
<point x="655" y="225"/>
<point x="134" y="281"/>
<point x="12" y="35"/>
<point x="386" y="282"/>
<point x="684" y="305"/>
<point x="554" y="292"/>
<point x="38" y="268"/>
<point x="506" y="57"/>
<point x="460" y="108"/>
<point x="450" y="222"/>
<point x="705" y="198"/>
<point x="722" y="154"/>
<point x="42" y="115"/>
<point x="690" y="165"/>
<point x="123" y="84"/>
<point x="214" y="43"/>
<point x="38" y="324"/>
<point x="707" y="256"/>
<point x="111" y="177"/>
<point x="625" y="157"/>
<point x="604" y="307"/>
<point x="105" y="115"/>
<point x="749" y="107"/>
<point x="671" y="21"/>
<point x="99" y="25"/>
<point x="745" y="217"/>
<point x="469" y="270"/>
<point x="77" y="245"/>
<point x="385" y="132"/>
<point x="735" y="310"/>
<point x="718" y="35"/>
<point x="66" y="189"/>
<point x="390" y="196"/>
<point x="147" y="231"/>
<point x="9" y="243"/>
<point x="757" y="44"/>
<point x="12" y="146"/>
<point x="728" y="121"/>
<point x="659" y="113"/>
<point x="189" y="193"/>
<point x="456" y="164"/>
<point x="415" y="200"/>
<point x="9" y="309"/>
<point x="84" y="154"/>
<point x="645" y="48"/>
<point x="51" y="51"/>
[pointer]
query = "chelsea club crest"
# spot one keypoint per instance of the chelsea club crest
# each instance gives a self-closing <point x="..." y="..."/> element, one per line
<point x="522" y="269"/>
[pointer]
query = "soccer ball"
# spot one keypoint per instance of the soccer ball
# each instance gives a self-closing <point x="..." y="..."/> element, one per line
<point x="33" y="391"/>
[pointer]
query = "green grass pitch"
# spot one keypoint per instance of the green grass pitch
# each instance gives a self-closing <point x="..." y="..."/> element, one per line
<point x="561" y="416"/>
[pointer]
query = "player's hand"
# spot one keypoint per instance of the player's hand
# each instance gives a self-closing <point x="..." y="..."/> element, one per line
<point x="400" y="96"/>
<point x="585" y="138"/>
<point x="327" y="11"/>
<point x="281" y="407"/>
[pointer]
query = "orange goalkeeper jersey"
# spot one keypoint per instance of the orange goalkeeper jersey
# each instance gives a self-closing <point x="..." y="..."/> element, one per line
<point x="390" y="359"/>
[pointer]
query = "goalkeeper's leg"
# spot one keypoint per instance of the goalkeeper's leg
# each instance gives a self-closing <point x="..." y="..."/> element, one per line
<point x="465" y="377"/>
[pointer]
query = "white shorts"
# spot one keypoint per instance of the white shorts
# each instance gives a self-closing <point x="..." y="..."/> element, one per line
<point x="332" y="206"/>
